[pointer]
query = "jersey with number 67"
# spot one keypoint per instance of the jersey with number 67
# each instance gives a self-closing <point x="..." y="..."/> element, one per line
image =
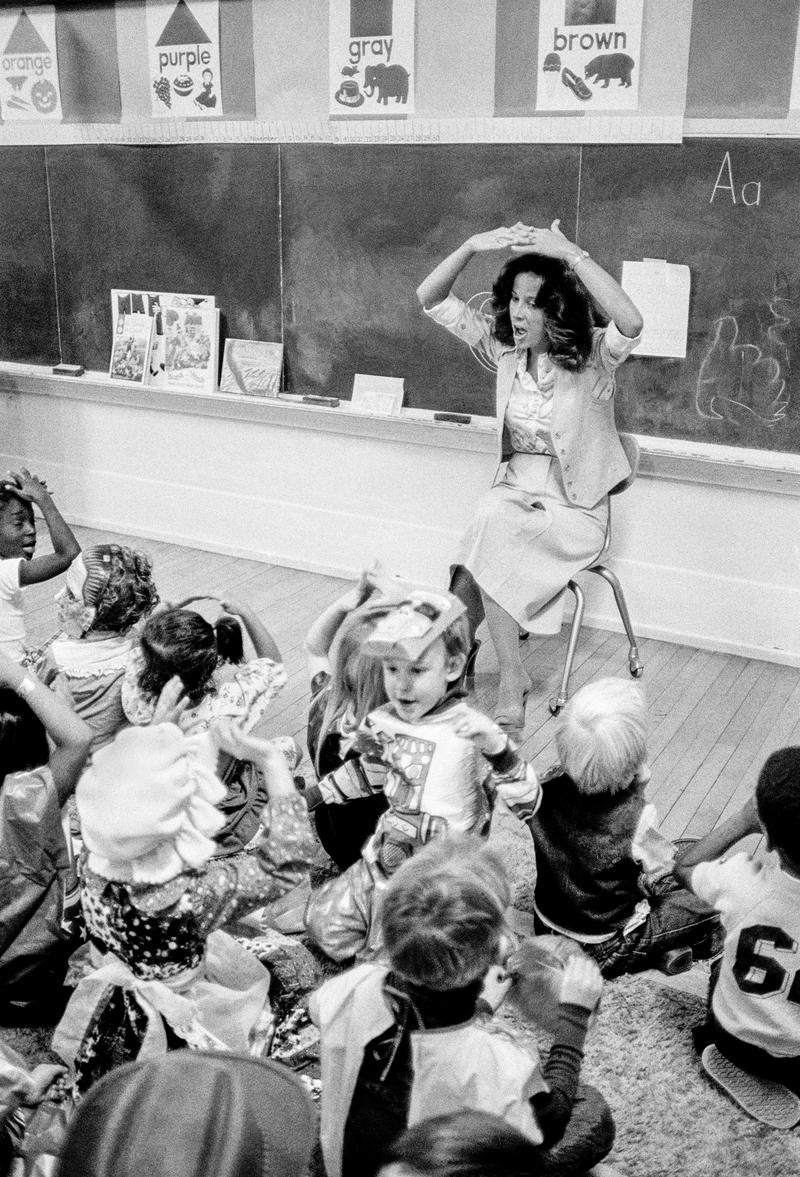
<point x="757" y="997"/>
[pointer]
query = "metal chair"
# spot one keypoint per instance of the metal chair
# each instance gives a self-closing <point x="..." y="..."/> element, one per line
<point x="631" y="448"/>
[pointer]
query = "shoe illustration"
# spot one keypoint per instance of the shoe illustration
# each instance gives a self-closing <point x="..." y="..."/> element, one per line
<point x="576" y="84"/>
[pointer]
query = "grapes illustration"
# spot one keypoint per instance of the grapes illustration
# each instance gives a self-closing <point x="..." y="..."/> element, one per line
<point x="44" y="96"/>
<point x="163" y="91"/>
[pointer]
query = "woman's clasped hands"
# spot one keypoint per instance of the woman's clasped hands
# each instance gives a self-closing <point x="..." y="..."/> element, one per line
<point x="520" y="238"/>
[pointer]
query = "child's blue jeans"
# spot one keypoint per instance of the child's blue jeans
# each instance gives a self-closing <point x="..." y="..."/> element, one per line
<point x="677" y="919"/>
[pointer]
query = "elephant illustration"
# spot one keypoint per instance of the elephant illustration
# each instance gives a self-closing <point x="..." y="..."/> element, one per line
<point x="391" y="81"/>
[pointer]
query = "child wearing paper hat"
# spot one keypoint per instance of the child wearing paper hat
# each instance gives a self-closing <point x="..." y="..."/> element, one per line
<point x="157" y="973"/>
<point x="438" y="760"/>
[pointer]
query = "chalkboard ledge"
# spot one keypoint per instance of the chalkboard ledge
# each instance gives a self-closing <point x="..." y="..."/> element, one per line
<point x="663" y="458"/>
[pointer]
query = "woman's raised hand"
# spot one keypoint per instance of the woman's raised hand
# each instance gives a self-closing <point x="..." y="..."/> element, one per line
<point x="506" y="237"/>
<point x="546" y="242"/>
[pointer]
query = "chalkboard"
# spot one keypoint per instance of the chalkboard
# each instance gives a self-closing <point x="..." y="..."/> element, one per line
<point x="323" y="246"/>
<point x="364" y="225"/>
<point x="730" y="210"/>
<point x="28" y="318"/>
<point x="202" y="219"/>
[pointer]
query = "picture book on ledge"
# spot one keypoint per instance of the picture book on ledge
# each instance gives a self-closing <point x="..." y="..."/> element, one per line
<point x="130" y="351"/>
<point x="251" y="367"/>
<point x="189" y="368"/>
<point x="191" y="337"/>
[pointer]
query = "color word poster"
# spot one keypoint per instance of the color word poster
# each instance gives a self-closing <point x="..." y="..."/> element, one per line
<point x="371" y="58"/>
<point x="589" y="55"/>
<point x="184" y="57"/>
<point x="29" y="61"/>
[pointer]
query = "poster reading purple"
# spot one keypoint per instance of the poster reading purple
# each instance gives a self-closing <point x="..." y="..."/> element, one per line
<point x="371" y="58"/>
<point x="589" y="55"/>
<point x="183" y="54"/>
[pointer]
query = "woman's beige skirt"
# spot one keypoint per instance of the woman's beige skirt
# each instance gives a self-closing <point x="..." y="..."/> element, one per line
<point x="526" y="540"/>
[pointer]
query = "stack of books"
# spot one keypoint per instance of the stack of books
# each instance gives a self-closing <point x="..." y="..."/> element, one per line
<point x="172" y="341"/>
<point x="168" y="340"/>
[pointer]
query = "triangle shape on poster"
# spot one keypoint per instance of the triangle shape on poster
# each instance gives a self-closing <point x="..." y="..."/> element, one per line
<point x="24" y="37"/>
<point x="183" y="28"/>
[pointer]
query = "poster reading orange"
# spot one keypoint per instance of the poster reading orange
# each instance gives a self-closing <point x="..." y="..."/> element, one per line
<point x="184" y="58"/>
<point x="29" y="87"/>
<point x="371" y="58"/>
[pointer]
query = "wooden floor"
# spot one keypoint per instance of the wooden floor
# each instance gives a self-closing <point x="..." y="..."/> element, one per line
<point x="714" y="717"/>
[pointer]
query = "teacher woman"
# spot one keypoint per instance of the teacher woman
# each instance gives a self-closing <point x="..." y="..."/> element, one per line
<point x="545" y="517"/>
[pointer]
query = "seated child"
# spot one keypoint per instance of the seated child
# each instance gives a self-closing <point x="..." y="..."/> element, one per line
<point x="108" y="589"/>
<point x="157" y="973"/>
<point x="438" y="761"/>
<point x="416" y="1039"/>
<point x="18" y="566"/>
<point x="178" y="641"/>
<point x="37" y="874"/>
<point x="592" y="831"/>
<point x="754" y="998"/>
<point x="346" y="684"/>
<point x="208" y="661"/>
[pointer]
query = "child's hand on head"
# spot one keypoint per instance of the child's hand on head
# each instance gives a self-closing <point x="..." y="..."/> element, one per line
<point x="474" y="725"/>
<point x="171" y="704"/>
<point x="582" y="982"/>
<point x="233" y="608"/>
<point x="26" y="485"/>
<point x="362" y="590"/>
<point x="184" y="604"/>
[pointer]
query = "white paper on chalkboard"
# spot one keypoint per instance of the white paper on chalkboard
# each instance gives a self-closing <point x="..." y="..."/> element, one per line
<point x="661" y="292"/>
<point x="377" y="394"/>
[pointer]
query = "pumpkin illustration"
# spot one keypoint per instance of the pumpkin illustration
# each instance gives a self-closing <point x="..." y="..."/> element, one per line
<point x="44" y="96"/>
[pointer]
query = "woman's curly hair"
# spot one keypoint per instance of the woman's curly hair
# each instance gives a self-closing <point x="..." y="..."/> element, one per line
<point x="119" y="584"/>
<point x="570" y="314"/>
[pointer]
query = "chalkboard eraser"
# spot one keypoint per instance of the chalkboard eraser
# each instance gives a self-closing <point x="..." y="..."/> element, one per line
<point x="457" y="418"/>
<point x="331" y="401"/>
<point x="68" y="370"/>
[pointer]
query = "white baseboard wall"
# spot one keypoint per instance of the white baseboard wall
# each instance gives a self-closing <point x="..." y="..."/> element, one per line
<point x="709" y="565"/>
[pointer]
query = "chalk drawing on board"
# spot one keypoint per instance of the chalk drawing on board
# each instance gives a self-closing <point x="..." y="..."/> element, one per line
<point x="482" y="302"/>
<point x="744" y="375"/>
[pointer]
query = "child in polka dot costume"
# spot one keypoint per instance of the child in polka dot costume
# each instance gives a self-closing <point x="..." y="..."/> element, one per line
<point x="157" y="973"/>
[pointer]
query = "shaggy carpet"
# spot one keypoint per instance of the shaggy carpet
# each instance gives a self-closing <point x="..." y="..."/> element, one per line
<point x="671" y="1120"/>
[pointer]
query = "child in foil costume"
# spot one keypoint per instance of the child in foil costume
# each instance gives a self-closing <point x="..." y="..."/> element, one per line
<point x="439" y="762"/>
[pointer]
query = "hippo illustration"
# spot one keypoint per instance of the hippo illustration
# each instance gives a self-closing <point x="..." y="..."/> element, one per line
<point x="391" y="81"/>
<point x="608" y="66"/>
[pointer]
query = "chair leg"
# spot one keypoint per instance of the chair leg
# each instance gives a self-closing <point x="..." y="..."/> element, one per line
<point x="575" y="629"/>
<point x="634" y="663"/>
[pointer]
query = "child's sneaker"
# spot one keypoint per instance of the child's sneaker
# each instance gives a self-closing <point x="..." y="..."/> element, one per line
<point x="675" y="960"/>
<point x="763" y="1099"/>
<point x="711" y="945"/>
